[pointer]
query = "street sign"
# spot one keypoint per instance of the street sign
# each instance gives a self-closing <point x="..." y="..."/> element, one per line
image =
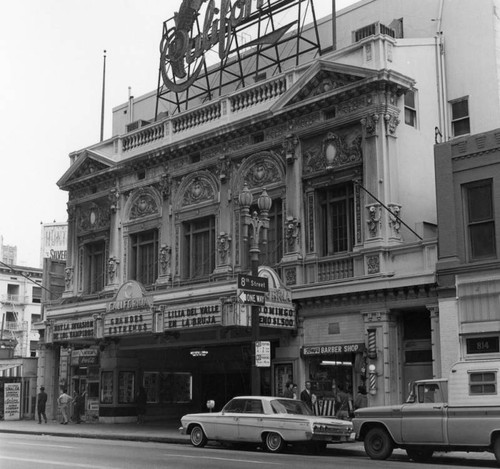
<point x="263" y="353"/>
<point x="253" y="283"/>
<point x="251" y="298"/>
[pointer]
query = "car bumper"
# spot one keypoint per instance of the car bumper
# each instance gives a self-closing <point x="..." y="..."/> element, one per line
<point x="182" y="430"/>
<point x="336" y="438"/>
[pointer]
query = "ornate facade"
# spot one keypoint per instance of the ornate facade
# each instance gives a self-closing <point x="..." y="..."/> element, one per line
<point x="156" y="240"/>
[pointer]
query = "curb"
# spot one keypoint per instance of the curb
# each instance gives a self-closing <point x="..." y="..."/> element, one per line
<point x="102" y="436"/>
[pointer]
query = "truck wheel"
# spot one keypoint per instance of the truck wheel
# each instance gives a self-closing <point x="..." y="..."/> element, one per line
<point x="198" y="437"/>
<point x="378" y="443"/>
<point x="496" y="449"/>
<point x="420" y="453"/>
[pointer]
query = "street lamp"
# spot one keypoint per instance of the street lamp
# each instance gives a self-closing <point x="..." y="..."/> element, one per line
<point x="259" y="225"/>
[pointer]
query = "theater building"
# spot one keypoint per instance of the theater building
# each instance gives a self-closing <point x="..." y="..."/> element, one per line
<point x="339" y="139"/>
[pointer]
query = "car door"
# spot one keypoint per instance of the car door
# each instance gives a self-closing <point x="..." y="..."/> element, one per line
<point x="250" y="422"/>
<point x="226" y="424"/>
<point x="423" y="421"/>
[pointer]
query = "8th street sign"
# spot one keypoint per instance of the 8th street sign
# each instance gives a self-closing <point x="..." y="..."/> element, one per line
<point x="253" y="283"/>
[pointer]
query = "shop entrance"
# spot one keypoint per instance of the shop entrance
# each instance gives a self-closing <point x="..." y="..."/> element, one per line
<point x="417" y="348"/>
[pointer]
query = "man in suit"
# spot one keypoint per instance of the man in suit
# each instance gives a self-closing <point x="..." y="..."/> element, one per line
<point x="41" y="403"/>
<point x="307" y="396"/>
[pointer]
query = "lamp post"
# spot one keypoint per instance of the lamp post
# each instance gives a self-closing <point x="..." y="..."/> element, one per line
<point x="259" y="224"/>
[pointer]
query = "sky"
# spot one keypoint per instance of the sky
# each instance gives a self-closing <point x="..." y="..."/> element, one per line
<point x="51" y="95"/>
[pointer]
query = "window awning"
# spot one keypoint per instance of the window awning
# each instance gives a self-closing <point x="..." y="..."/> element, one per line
<point x="11" y="370"/>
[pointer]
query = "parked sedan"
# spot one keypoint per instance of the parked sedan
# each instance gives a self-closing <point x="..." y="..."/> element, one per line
<point x="271" y="421"/>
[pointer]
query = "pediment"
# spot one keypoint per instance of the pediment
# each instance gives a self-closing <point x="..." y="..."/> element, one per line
<point x="321" y="79"/>
<point x="87" y="164"/>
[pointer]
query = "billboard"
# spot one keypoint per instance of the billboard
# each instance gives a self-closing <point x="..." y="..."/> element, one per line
<point x="54" y="241"/>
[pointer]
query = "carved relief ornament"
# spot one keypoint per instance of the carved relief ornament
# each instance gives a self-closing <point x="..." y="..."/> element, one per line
<point x="198" y="190"/>
<point x="333" y="152"/>
<point x="144" y="204"/>
<point x="93" y="217"/>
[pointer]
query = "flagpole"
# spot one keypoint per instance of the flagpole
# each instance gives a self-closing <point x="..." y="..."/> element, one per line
<point x="103" y="94"/>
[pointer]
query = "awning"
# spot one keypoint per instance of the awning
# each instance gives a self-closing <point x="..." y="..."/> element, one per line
<point x="11" y="370"/>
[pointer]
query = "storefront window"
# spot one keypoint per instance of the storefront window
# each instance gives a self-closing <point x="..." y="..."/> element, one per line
<point x="150" y="383"/>
<point x="283" y="372"/>
<point x="107" y="387"/>
<point x="126" y="387"/>
<point x="165" y="388"/>
<point x="324" y="372"/>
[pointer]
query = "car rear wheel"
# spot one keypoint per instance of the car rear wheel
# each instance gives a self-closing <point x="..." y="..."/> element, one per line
<point x="420" y="453"/>
<point x="274" y="443"/>
<point x="378" y="443"/>
<point x="198" y="437"/>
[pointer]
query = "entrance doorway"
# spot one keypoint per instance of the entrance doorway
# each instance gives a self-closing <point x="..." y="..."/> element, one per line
<point x="417" y="348"/>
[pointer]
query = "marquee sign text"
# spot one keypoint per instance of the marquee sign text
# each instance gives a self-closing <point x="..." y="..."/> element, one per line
<point x="127" y="324"/>
<point x="73" y="329"/>
<point x="209" y="314"/>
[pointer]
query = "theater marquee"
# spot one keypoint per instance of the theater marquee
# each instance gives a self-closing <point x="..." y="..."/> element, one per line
<point x="179" y="317"/>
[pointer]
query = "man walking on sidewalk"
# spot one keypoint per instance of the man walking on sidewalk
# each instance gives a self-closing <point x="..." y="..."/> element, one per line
<point x="63" y="400"/>
<point x="40" y="404"/>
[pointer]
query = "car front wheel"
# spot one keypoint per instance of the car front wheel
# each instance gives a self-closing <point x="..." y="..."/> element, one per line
<point x="274" y="443"/>
<point x="378" y="443"/>
<point x="198" y="437"/>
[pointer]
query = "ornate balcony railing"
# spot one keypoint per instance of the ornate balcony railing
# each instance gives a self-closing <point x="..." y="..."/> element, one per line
<point x="338" y="269"/>
<point x="217" y="112"/>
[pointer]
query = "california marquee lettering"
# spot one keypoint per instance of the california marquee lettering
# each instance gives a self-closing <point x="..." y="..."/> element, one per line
<point x="181" y="51"/>
<point x="209" y="314"/>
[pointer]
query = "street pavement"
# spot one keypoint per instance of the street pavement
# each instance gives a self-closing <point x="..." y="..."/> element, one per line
<point x="168" y="432"/>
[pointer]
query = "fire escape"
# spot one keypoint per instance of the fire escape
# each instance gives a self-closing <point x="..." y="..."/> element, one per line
<point x="14" y="328"/>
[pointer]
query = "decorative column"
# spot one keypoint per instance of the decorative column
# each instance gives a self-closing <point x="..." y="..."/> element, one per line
<point x="114" y="252"/>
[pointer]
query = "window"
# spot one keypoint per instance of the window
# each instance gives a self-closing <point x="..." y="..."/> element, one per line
<point x="410" y="109"/>
<point x="336" y="219"/>
<point x="37" y="295"/>
<point x="126" y="387"/>
<point x="482" y="383"/>
<point x="13" y="292"/>
<point x="94" y="267"/>
<point x="107" y="387"/>
<point x="199" y="248"/>
<point x="144" y="257"/>
<point x="272" y="252"/>
<point x="480" y="221"/>
<point x="460" y="121"/>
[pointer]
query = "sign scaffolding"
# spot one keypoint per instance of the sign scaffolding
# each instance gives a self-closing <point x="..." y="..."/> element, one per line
<point x="187" y="79"/>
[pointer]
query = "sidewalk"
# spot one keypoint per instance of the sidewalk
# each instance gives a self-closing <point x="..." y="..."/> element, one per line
<point x="161" y="431"/>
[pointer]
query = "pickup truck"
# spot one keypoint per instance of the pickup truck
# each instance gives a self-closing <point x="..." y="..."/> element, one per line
<point x="461" y="413"/>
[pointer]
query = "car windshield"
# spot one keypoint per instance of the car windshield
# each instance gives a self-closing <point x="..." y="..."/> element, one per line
<point x="290" y="406"/>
